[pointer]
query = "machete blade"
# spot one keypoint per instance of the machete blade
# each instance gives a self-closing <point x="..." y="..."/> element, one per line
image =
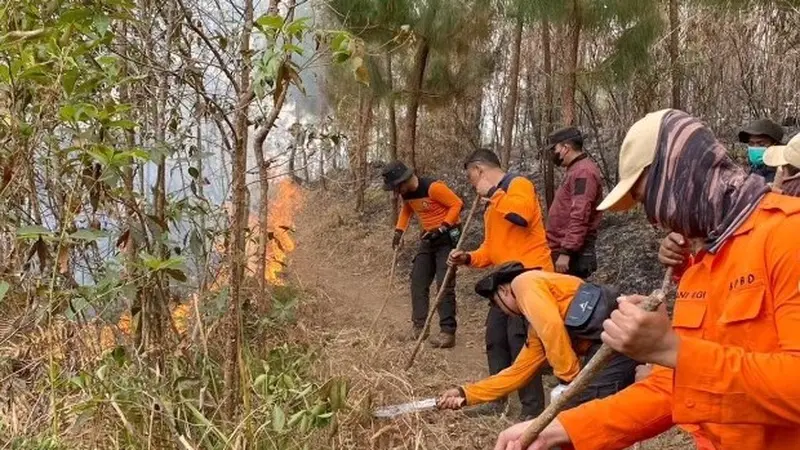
<point x="387" y="412"/>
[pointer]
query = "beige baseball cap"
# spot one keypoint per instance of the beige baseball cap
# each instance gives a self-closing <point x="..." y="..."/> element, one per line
<point x="781" y="155"/>
<point x="638" y="151"/>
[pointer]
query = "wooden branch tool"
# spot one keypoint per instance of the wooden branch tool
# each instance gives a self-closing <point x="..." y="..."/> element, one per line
<point x="589" y="372"/>
<point x="388" y="290"/>
<point x="451" y="271"/>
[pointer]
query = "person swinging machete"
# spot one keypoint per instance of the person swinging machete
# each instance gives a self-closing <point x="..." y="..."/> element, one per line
<point x="565" y="318"/>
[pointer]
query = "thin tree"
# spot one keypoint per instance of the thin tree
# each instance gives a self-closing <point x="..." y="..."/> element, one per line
<point x="510" y="113"/>
<point x="676" y="74"/>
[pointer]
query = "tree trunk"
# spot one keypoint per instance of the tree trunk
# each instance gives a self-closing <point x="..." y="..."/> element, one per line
<point x="238" y="225"/>
<point x="418" y="76"/>
<point x="292" y="157"/>
<point x="263" y="224"/>
<point x="549" y="178"/>
<point x="392" y="131"/>
<point x="362" y="147"/>
<point x="568" y="97"/>
<point x="510" y="113"/>
<point x="674" y="53"/>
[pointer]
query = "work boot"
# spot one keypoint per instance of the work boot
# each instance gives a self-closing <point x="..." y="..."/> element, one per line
<point x="416" y="331"/>
<point x="443" y="340"/>
<point x="494" y="408"/>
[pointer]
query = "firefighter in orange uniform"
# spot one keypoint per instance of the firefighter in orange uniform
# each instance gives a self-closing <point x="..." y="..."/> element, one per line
<point x="729" y="361"/>
<point x="438" y="209"/>
<point x="566" y="318"/>
<point x="513" y="231"/>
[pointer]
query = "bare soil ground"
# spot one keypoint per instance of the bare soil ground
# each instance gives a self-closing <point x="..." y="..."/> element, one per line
<point x="343" y="264"/>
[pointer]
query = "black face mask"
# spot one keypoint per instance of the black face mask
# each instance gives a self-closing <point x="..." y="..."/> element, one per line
<point x="557" y="159"/>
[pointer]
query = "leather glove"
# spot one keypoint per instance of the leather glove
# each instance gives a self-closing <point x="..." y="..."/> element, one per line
<point x="398" y="236"/>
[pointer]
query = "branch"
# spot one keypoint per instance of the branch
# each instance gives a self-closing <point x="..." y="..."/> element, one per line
<point x="269" y="121"/>
<point x="211" y="46"/>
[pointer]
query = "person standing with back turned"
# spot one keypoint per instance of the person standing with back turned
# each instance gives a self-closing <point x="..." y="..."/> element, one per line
<point x="438" y="209"/>
<point x="514" y="231"/>
<point x="573" y="219"/>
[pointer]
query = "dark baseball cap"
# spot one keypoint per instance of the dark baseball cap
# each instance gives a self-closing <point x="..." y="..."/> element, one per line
<point x="506" y="273"/>
<point x="565" y="134"/>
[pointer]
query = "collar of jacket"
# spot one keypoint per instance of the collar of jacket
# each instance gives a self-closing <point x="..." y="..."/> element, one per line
<point x="504" y="183"/>
<point x="583" y="155"/>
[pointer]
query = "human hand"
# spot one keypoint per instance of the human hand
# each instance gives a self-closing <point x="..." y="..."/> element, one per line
<point x="458" y="258"/>
<point x="644" y="336"/>
<point x="553" y="435"/>
<point x="397" y="240"/>
<point x="451" y="399"/>
<point x="674" y="250"/>
<point x="562" y="263"/>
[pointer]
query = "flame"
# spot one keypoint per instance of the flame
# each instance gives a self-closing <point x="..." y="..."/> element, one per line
<point x="285" y="205"/>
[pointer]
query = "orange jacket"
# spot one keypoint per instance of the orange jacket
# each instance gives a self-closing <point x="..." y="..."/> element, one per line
<point x="514" y="230"/>
<point x="543" y="298"/>
<point x="738" y="315"/>
<point x="434" y="203"/>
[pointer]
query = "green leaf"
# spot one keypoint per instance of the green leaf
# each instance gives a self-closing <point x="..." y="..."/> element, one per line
<point x="291" y="48"/>
<point x="5" y="74"/>
<point x="68" y="80"/>
<point x="194" y="173"/>
<point x="176" y="274"/>
<point x="297" y="27"/>
<point x="156" y="264"/>
<point x="86" y="234"/>
<point x="270" y="22"/>
<point x="204" y="420"/>
<point x="68" y="113"/>
<point x="3" y="290"/>
<point x="123" y="124"/>
<point x="101" y="24"/>
<point x="35" y="73"/>
<point x="278" y="419"/>
<point x="33" y="231"/>
<point x="340" y="42"/>
<point x="75" y="15"/>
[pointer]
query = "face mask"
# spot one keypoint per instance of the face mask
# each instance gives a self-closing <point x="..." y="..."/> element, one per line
<point x="756" y="155"/>
<point x="557" y="158"/>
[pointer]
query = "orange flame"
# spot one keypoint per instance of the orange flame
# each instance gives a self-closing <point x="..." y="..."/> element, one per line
<point x="284" y="206"/>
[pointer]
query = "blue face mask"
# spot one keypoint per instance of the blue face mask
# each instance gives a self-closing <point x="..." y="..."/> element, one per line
<point x="756" y="155"/>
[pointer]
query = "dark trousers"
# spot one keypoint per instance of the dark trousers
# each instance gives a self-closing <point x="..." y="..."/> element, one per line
<point x="583" y="263"/>
<point x="505" y="337"/>
<point x="429" y="263"/>
<point x="616" y="376"/>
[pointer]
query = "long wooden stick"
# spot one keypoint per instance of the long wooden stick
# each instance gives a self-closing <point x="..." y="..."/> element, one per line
<point x="451" y="271"/>
<point x="589" y="372"/>
<point x="388" y="290"/>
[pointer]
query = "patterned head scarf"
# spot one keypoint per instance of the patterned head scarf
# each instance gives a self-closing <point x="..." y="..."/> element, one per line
<point x="693" y="187"/>
<point x="791" y="185"/>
